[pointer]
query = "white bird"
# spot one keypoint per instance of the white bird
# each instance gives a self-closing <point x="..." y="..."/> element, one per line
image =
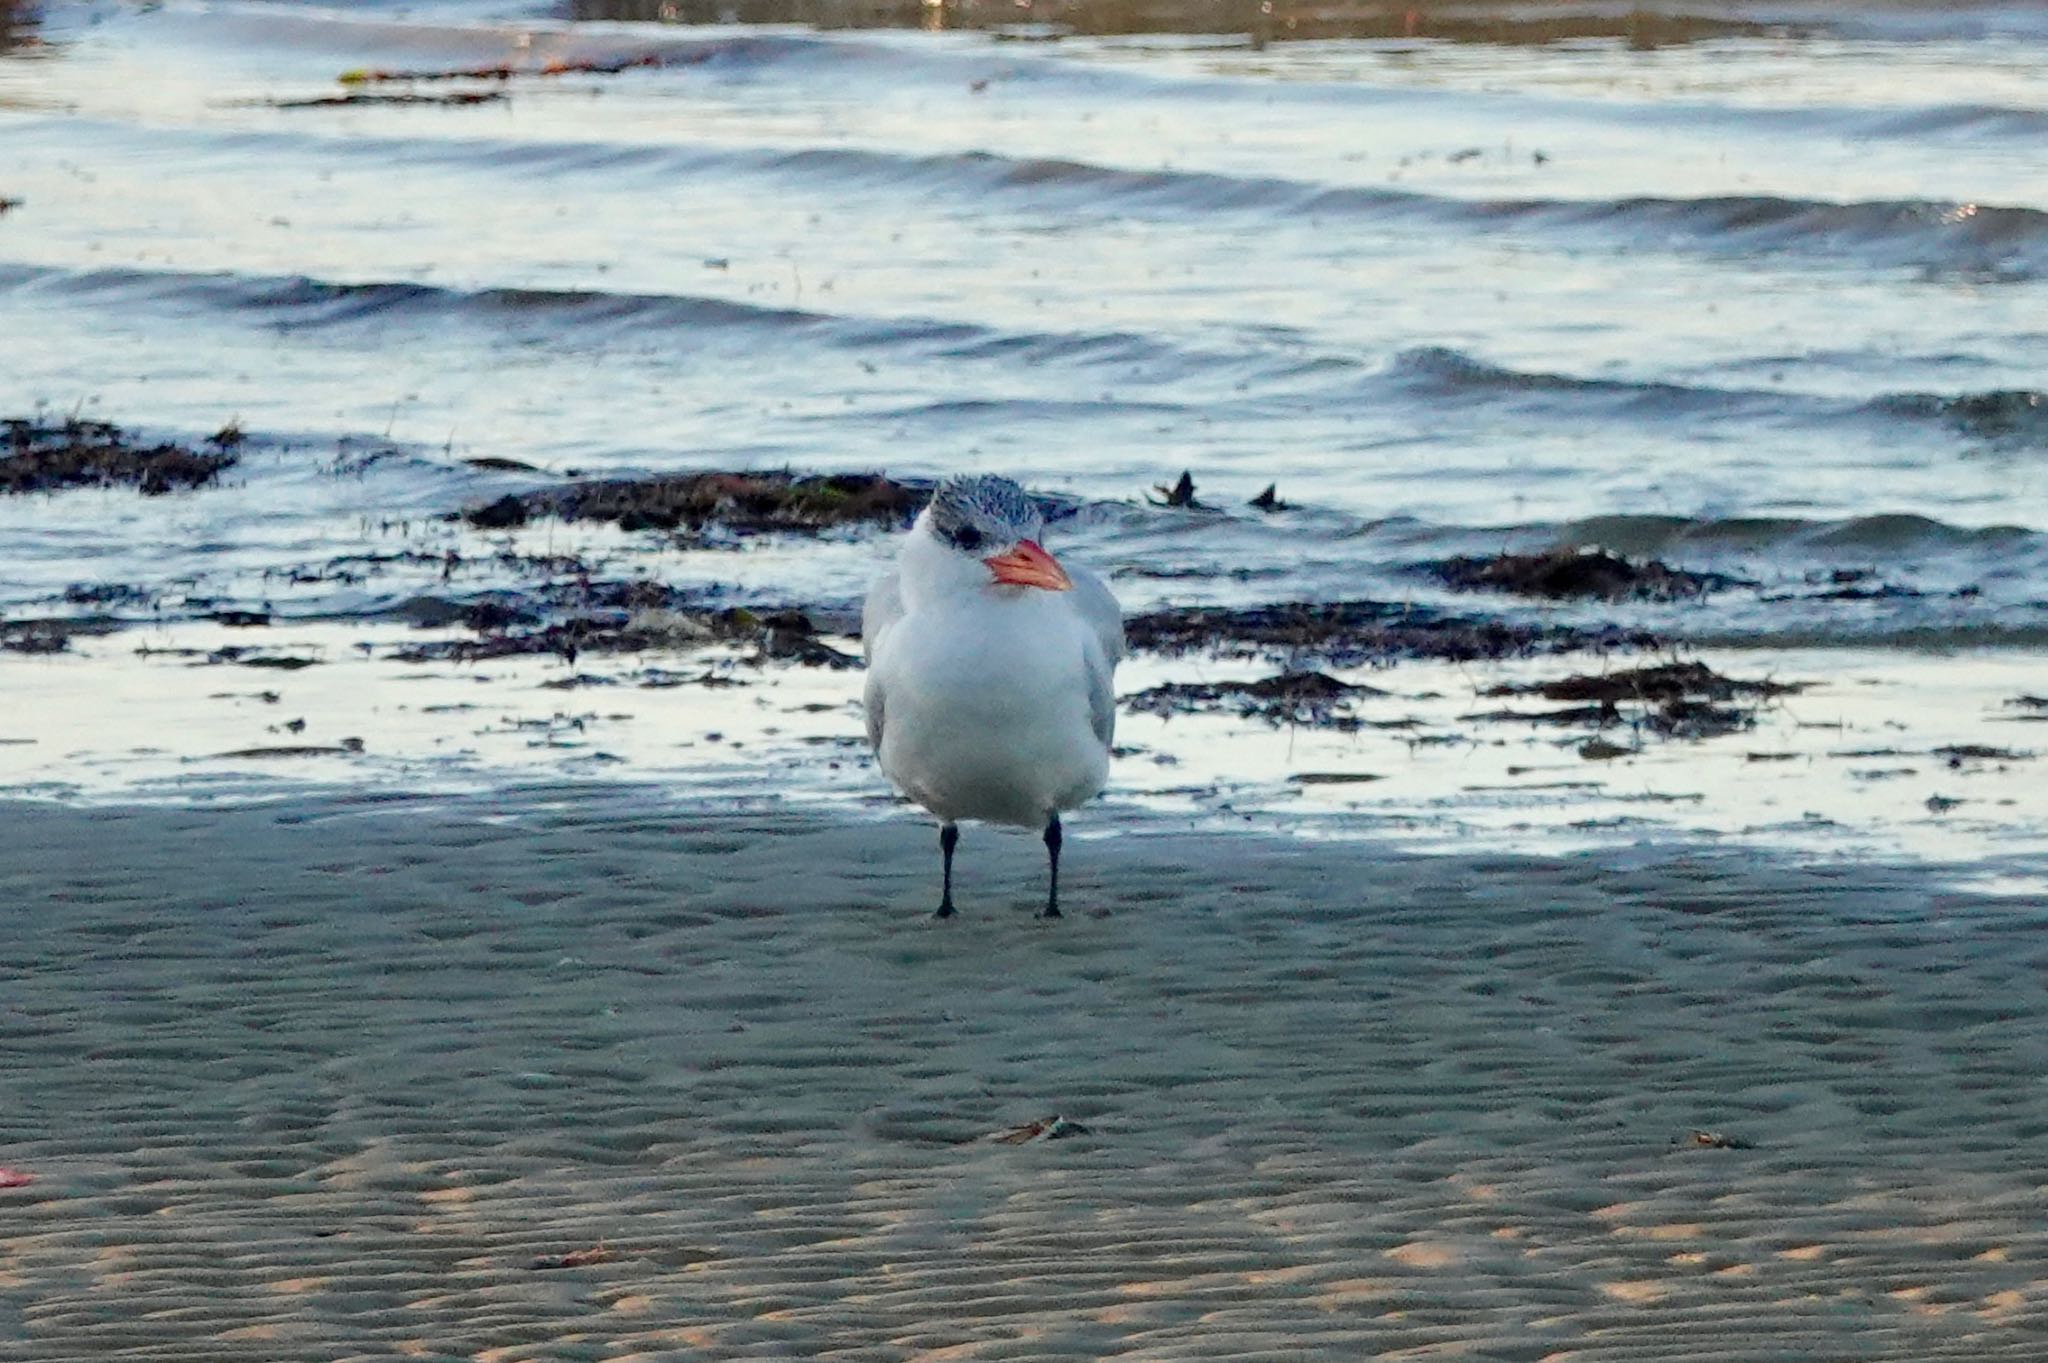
<point x="989" y="691"/>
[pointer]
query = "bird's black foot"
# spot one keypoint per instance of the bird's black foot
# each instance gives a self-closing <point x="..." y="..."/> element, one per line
<point x="949" y="838"/>
<point x="1052" y="852"/>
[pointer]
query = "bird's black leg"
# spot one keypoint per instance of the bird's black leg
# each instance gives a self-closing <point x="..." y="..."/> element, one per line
<point x="1052" y="852"/>
<point x="949" y="838"/>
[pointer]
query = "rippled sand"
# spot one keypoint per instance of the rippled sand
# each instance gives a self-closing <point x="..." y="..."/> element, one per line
<point x="323" y="1081"/>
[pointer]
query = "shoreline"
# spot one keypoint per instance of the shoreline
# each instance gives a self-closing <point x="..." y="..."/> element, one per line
<point x="1859" y="753"/>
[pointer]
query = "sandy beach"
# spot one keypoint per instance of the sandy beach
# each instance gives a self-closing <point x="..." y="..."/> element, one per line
<point x="330" y="1078"/>
<point x="1572" y="886"/>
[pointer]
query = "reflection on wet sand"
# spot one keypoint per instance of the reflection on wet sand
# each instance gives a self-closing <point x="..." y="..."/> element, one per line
<point x="1260" y="20"/>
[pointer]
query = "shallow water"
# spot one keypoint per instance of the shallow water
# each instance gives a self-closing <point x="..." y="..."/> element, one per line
<point x="1753" y="288"/>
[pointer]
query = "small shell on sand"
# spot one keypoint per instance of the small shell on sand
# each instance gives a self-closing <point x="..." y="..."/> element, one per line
<point x="15" y="1178"/>
<point x="1050" y="1128"/>
<point x="575" y="1258"/>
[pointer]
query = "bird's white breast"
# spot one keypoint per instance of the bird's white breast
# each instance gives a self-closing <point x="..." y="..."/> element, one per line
<point x="988" y="707"/>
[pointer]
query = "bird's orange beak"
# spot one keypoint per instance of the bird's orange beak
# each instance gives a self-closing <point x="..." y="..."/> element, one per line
<point x="1029" y="566"/>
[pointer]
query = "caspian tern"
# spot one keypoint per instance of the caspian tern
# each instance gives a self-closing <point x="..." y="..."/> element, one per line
<point x="989" y="689"/>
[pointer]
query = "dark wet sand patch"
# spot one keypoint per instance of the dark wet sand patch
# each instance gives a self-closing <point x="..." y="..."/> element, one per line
<point x="40" y="456"/>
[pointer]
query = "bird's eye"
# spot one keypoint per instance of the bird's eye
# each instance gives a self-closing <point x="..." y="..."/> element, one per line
<point x="967" y="537"/>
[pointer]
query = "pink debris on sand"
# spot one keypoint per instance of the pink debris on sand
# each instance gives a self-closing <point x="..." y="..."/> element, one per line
<point x="15" y="1178"/>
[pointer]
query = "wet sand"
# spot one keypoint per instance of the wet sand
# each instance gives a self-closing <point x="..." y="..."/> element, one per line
<point x="328" y="1079"/>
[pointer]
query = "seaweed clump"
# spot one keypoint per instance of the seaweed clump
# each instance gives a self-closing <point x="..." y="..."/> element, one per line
<point x="34" y="636"/>
<point x="39" y="457"/>
<point x="53" y="635"/>
<point x="1575" y="574"/>
<point x="1676" y="700"/>
<point x="1997" y="414"/>
<point x="355" y="99"/>
<point x="1310" y="699"/>
<point x="748" y="503"/>
<point x="778" y="636"/>
<point x="1357" y="633"/>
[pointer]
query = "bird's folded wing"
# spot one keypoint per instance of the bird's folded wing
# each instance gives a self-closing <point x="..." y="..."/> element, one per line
<point x="1100" y="610"/>
<point x="1101" y="613"/>
<point x="883" y="608"/>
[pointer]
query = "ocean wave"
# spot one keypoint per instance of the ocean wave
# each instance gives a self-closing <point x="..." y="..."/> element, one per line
<point x="1010" y="412"/>
<point x="1439" y="370"/>
<point x="2003" y="415"/>
<point x="1943" y="120"/>
<point x="299" y="302"/>
<point x="448" y="36"/>
<point x="1890" y="534"/>
<point x="1935" y="234"/>
<point x="1943" y="237"/>
<point x="1292" y="367"/>
<point x="1939" y="235"/>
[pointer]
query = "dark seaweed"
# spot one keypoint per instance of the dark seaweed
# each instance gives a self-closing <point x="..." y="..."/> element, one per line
<point x="1355" y="633"/>
<point x="1313" y="699"/>
<point x="38" y="457"/>
<point x="355" y="98"/>
<point x="1677" y="700"/>
<point x="783" y="636"/>
<point x="1181" y="493"/>
<point x="1657" y="684"/>
<point x="743" y="502"/>
<point x="1567" y="574"/>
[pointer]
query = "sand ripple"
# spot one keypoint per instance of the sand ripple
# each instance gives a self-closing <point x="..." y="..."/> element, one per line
<point x="319" y="1084"/>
